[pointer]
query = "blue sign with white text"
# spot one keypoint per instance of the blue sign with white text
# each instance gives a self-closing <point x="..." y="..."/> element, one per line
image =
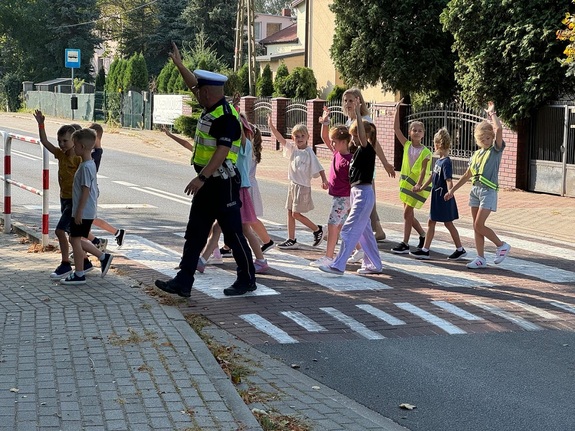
<point x="72" y="58"/>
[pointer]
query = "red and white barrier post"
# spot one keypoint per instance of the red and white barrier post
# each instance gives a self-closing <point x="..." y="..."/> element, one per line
<point x="7" y="141"/>
<point x="8" y="181"/>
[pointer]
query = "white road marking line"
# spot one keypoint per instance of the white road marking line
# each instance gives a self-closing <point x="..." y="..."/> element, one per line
<point x="163" y="192"/>
<point x="442" y="324"/>
<point x="268" y="328"/>
<point x="125" y="206"/>
<point x="164" y="260"/>
<point x="535" y="310"/>
<point x="382" y="315"/>
<point x="519" y="321"/>
<point x="304" y="321"/>
<point x="353" y="324"/>
<point x="432" y="273"/>
<point x="299" y="267"/>
<point x="454" y="309"/>
<point x="532" y="269"/>
<point x="163" y="195"/>
<point x="532" y="246"/>
<point x="125" y="183"/>
<point x="562" y="306"/>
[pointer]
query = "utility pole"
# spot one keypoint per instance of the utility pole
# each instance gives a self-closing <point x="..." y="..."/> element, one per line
<point x="245" y="18"/>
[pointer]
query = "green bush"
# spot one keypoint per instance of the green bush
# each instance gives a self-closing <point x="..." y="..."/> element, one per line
<point x="186" y="124"/>
<point x="300" y="83"/>
<point x="281" y="74"/>
<point x="100" y="80"/>
<point x="265" y="85"/>
<point x="136" y="74"/>
<point x="336" y="93"/>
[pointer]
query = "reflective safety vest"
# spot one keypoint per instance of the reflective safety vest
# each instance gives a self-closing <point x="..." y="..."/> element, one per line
<point x="205" y="144"/>
<point x="410" y="177"/>
<point x="477" y="166"/>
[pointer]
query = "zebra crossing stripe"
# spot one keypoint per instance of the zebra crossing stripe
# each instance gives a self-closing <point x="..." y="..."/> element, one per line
<point x="353" y="324"/>
<point x="304" y="321"/>
<point x="299" y="267"/>
<point x="454" y="309"/>
<point x="537" y="247"/>
<point x="442" y="324"/>
<point x="519" y="266"/>
<point x="164" y="260"/>
<point x="535" y="310"/>
<point x="563" y="306"/>
<point x="519" y="321"/>
<point x="268" y="328"/>
<point x="382" y="315"/>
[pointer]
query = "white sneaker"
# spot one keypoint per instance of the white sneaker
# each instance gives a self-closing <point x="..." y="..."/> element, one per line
<point x="501" y="253"/>
<point x="369" y="271"/>
<point x="477" y="263"/>
<point x="213" y="260"/>
<point x="356" y="257"/>
<point x="321" y="261"/>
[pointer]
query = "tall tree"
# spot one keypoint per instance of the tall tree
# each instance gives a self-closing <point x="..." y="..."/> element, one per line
<point x="398" y="45"/>
<point x="273" y="7"/>
<point x="217" y="19"/>
<point x="508" y="53"/>
<point x="35" y="33"/>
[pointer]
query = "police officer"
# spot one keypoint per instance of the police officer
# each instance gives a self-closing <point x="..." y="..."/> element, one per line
<point x="215" y="188"/>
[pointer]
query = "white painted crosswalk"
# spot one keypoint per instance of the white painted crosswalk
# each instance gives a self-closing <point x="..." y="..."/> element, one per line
<point x="447" y="316"/>
<point x="417" y="314"/>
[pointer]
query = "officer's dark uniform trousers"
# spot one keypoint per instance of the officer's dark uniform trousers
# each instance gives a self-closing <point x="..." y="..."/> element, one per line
<point x="218" y="199"/>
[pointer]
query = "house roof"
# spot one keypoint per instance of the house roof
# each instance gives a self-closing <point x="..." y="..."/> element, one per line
<point x="54" y="81"/>
<point x="280" y="55"/>
<point x="295" y="3"/>
<point x="285" y="35"/>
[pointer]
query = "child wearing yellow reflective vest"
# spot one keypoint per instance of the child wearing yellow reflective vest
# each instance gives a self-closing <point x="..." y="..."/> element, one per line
<point x="484" y="171"/>
<point x="415" y="170"/>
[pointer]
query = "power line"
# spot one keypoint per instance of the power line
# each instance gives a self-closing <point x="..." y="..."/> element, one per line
<point x="108" y="16"/>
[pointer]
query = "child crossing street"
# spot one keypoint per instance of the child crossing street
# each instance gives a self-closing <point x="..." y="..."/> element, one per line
<point x="304" y="165"/>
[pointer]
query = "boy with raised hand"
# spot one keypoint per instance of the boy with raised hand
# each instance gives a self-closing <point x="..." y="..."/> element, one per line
<point x="84" y="204"/>
<point x="68" y="163"/>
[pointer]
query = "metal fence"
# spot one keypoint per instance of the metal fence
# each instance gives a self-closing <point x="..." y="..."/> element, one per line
<point x="263" y="108"/>
<point x="296" y="113"/>
<point x="458" y="119"/>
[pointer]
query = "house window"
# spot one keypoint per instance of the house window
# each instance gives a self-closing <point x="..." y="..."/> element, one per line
<point x="272" y="28"/>
<point x="258" y="30"/>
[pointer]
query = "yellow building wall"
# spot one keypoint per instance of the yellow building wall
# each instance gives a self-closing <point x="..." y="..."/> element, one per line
<point x="321" y="37"/>
<point x="291" y="63"/>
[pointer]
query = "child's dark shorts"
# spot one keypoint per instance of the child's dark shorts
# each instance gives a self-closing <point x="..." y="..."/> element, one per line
<point x="82" y="230"/>
<point x="97" y="157"/>
<point x="66" y="217"/>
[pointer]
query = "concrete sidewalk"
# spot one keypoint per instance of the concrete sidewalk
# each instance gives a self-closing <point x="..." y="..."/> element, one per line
<point x="104" y="356"/>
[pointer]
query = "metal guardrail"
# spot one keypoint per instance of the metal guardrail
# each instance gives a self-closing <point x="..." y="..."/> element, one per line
<point x="8" y="182"/>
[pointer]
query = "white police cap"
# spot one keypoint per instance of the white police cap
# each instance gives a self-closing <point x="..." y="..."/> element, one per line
<point x="205" y="77"/>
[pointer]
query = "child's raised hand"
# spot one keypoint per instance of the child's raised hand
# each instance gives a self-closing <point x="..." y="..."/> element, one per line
<point x="270" y="124"/>
<point x="324" y="119"/>
<point x="175" y="54"/>
<point x="490" y="108"/>
<point x="39" y="116"/>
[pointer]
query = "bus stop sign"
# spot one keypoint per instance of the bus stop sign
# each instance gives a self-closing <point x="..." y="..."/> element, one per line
<point x="72" y="58"/>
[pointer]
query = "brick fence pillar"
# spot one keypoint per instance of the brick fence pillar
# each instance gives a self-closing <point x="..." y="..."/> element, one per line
<point x="247" y="107"/>
<point x="279" y="105"/>
<point x="314" y="111"/>
<point x="383" y="115"/>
